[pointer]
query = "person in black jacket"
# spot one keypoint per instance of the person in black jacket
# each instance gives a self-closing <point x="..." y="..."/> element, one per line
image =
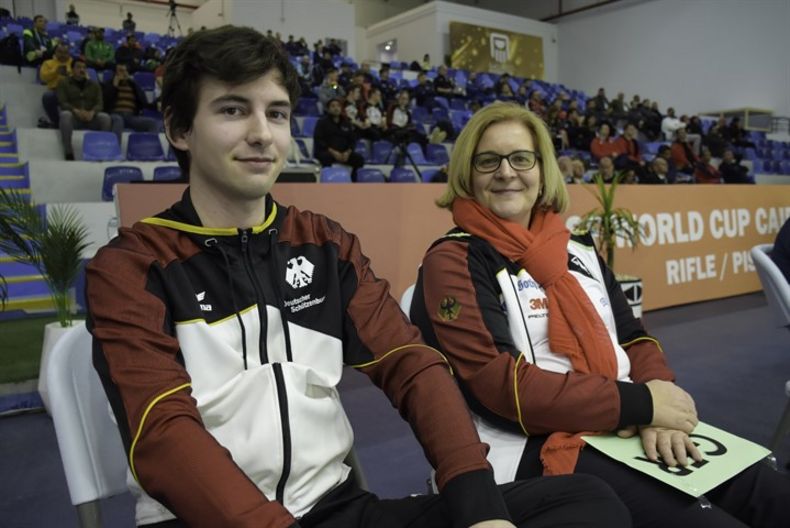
<point x="731" y="169"/>
<point x="124" y="100"/>
<point x="333" y="139"/>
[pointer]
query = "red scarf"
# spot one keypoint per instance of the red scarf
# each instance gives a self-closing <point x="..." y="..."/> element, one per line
<point x="575" y="329"/>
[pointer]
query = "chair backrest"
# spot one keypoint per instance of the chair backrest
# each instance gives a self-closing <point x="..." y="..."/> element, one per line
<point x="90" y="445"/>
<point x="437" y="154"/>
<point x="416" y="153"/>
<point x="167" y="173"/>
<point x="101" y="146"/>
<point x="308" y="126"/>
<point x="370" y="176"/>
<point x="118" y="174"/>
<point x="144" y="146"/>
<point x="775" y="286"/>
<point x="402" y="175"/>
<point x="381" y="151"/>
<point x="405" y="299"/>
<point x="335" y="175"/>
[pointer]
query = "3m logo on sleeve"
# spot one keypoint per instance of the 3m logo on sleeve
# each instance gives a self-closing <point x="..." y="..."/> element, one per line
<point x="299" y="272"/>
<point x="205" y="307"/>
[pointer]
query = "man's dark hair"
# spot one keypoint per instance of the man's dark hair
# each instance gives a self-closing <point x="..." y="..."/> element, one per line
<point x="230" y="54"/>
<point x="37" y="17"/>
<point x="76" y="60"/>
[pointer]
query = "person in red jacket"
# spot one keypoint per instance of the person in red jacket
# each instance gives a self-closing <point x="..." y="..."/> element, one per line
<point x="704" y="172"/>
<point x="604" y="144"/>
<point x="682" y="153"/>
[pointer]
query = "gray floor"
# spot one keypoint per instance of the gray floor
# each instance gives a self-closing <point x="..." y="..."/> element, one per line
<point x="727" y="354"/>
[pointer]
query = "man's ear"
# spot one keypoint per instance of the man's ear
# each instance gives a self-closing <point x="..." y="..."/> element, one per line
<point x="177" y="139"/>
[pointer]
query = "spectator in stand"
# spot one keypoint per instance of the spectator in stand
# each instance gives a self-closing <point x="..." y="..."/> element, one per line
<point x="536" y="104"/>
<point x="601" y="102"/>
<point x="442" y="84"/>
<point x="305" y="71"/>
<point x="682" y="154"/>
<point x="474" y="88"/>
<point x="617" y="108"/>
<point x="72" y="18"/>
<point x="716" y="138"/>
<point x="656" y="173"/>
<point x="99" y="54"/>
<point x="124" y="100"/>
<point x="731" y="169"/>
<point x="152" y="58"/>
<point x="631" y="158"/>
<point x="374" y="110"/>
<point x="781" y="251"/>
<point x="302" y="48"/>
<point x="400" y="127"/>
<point x="388" y="87"/>
<point x="424" y="92"/>
<point x="354" y="112"/>
<point x="605" y="169"/>
<point x="36" y="43"/>
<point x="89" y="37"/>
<point x="345" y="74"/>
<point x="704" y="172"/>
<point x="80" y="101"/>
<point x="129" y="25"/>
<point x="130" y="53"/>
<point x="426" y="62"/>
<point x="506" y="93"/>
<point x="604" y="144"/>
<point x="665" y="152"/>
<point x="565" y="164"/>
<point x="737" y="135"/>
<point x="333" y="47"/>
<point x="333" y="139"/>
<point x="364" y="70"/>
<point x="330" y="88"/>
<point x="694" y="126"/>
<point x="499" y="86"/>
<point x="51" y="73"/>
<point x="671" y="124"/>
<point x="291" y="46"/>
<point x="581" y="132"/>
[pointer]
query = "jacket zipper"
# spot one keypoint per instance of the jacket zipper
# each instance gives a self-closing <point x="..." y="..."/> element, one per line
<point x="259" y="297"/>
<point x="282" y="398"/>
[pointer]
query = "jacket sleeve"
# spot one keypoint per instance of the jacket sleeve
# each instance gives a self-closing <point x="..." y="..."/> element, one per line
<point x="478" y="341"/>
<point x="48" y="71"/>
<point x="380" y="342"/>
<point x="171" y="454"/>
<point x="648" y="361"/>
<point x="63" y="95"/>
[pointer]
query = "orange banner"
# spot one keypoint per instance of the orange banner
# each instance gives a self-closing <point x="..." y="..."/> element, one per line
<point x="696" y="247"/>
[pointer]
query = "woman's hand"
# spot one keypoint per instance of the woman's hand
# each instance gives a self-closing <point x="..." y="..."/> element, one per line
<point x="673" y="408"/>
<point x="673" y="446"/>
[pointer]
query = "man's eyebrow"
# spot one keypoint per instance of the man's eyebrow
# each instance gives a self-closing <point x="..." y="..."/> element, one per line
<point x="281" y="103"/>
<point x="229" y="98"/>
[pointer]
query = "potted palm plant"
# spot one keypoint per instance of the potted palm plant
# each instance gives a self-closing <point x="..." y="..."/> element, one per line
<point x="53" y="244"/>
<point x="607" y="223"/>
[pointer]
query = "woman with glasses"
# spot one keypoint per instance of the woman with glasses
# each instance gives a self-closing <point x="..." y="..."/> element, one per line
<point x="543" y="342"/>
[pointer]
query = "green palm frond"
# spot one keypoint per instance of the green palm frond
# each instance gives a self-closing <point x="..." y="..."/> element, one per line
<point x="608" y="223"/>
<point x="53" y="245"/>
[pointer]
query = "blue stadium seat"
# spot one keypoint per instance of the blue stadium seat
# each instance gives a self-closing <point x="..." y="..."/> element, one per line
<point x="361" y="147"/>
<point x="440" y="114"/>
<point x="118" y="174"/>
<point x="370" y="176"/>
<point x="167" y="173"/>
<point x="457" y="103"/>
<point x="308" y="126"/>
<point x="442" y="101"/>
<point x="428" y="174"/>
<point x="402" y="175"/>
<point x="171" y="154"/>
<point x="101" y="146"/>
<point x="144" y="146"/>
<point x="437" y="154"/>
<point x="335" y="175"/>
<point x="416" y="153"/>
<point x="307" y="106"/>
<point x="381" y="152"/>
<point x="420" y="114"/>
<point x="306" y="156"/>
<point x="145" y="80"/>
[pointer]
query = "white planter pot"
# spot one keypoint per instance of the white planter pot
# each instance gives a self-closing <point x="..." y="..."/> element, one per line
<point x="632" y="288"/>
<point x="52" y="334"/>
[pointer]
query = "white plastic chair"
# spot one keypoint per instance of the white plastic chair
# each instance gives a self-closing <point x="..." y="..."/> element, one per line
<point x="777" y="291"/>
<point x="405" y="300"/>
<point x="89" y="442"/>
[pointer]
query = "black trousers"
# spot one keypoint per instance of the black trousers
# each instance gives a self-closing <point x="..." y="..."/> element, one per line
<point x="758" y="497"/>
<point x="574" y="501"/>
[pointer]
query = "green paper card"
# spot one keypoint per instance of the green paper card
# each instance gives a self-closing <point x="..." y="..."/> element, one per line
<point x="724" y="456"/>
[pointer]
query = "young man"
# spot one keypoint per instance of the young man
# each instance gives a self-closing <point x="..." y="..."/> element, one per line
<point x="221" y="327"/>
<point x="124" y="100"/>
<point x="80" y="102"/>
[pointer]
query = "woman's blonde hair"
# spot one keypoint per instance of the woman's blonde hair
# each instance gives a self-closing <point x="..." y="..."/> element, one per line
<point x="459" y="172"/>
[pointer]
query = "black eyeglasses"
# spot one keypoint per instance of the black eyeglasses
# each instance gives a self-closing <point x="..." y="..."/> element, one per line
<point x="520" y="160"/>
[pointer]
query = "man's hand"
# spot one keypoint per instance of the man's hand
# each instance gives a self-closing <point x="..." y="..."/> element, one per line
<point x="89" y="114"/>
<point x="493" y="524"/>
<point x="673" y="408"/>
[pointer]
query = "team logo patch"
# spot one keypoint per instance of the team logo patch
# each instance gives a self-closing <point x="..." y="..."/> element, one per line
<point x="449" y="308"/>
<point x="299" y="272"/>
